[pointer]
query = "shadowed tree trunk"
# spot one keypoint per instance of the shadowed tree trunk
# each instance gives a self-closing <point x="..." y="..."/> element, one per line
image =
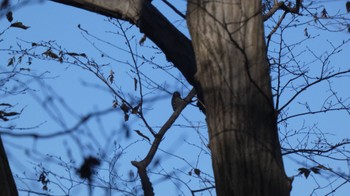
<point x="7" y="184"/>
<point x="228" y="40"/>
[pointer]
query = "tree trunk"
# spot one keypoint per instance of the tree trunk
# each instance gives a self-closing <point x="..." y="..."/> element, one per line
<point x="7" y="184"/>
<point x="228" y="39"/>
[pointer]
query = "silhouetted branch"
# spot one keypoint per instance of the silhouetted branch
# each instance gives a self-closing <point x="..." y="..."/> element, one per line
<point x="281" y="5"/>
<point x="81" y="122"/>
<point x="314" y="151"/>
<point x="143" y="164"/>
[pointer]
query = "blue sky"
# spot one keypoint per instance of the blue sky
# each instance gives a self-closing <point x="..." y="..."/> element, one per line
<point x="84" y="93"/>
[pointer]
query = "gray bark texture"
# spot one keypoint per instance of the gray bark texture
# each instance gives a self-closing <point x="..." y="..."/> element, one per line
<point x="228" y="39"/>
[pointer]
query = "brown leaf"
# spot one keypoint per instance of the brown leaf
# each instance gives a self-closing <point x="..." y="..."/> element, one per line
<point x="76" y="54"/>
<point x="72" y="54"/>
<point x="322" y="167"/>
<point x="88" y="168"/>
<point x="5" y="104"/>
<point x="143" y="39"/>
<point x="125" y="108"/>
<point x="126" y="117"/>
<point x="115" y="103"/>
<point x="306" y="33"/>
<point x="135" y="109"/>
<point x="3" y="118"/>
<point x="135" y="83"/>
<point x="11" y="61"/>
<point x="316" y="170"/>
<point x="197" y="171"/>
<point x="131" y="175"/>
<point x="304" y="171"/>
<point x="51" y="54"/>
<point x="19" y="25"/>
<point x="111" y="76"/>
<point x="9" y="16"/>
<point x="24" y="69"/>
<point x="324" y="13"/>
<point x="10" y="113"/>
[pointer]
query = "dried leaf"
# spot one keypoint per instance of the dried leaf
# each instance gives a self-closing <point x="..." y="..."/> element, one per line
<point x="197" y="171"/>
<point x="19" y="25"/>
<point x="324" y="13"/>
<point x="316" y="170"/>
<point x="10" y="113"/>
<point x="125" y="108"/>
<point x="11" y="61"/>
<point x="143" y="39"/>
<point x="135" y="83"/>
<point x="111" y="76"/>
<point x="24" y="69"/>
<point x="126" y="117"/>
<point x="306" y="33"/>
<point x="9" y="16"/>
<point x="131" y="175"/>
<point x="72" y="54"/>
<point x="76" y="54"/>
<point x="135" y="109"/>
<point x="5" y="104"/>
<point x="115" y="103"/>
<point x="51" y="54"/>
<point x="322" y="167"/>
<point x="3" y="118"/>
<point x="29" y="60"/>
<point x="88" y="168"/>
<point x="304" y="171"/>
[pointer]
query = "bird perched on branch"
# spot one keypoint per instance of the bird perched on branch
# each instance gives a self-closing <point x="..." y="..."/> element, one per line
<point x="176" y="100"/>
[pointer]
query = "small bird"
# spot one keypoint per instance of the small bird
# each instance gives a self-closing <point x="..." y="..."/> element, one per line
<point x="176" y="100"/>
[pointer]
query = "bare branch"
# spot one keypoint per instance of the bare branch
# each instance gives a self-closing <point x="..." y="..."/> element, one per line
<point x="280" y="5"/>
<point x="142" y="165"/>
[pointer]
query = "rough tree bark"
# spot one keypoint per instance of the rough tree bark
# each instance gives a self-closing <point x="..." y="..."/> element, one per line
<point x="228" y="39"/>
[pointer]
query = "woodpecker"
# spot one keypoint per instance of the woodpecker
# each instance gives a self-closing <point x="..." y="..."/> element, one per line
<point x="176" y="100"/>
